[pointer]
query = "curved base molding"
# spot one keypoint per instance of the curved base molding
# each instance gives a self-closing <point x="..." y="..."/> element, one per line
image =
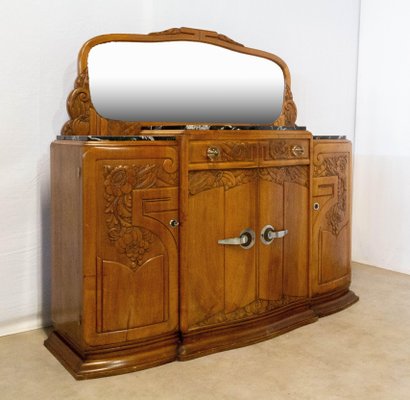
<point x="103" y="361"/>
<point x="203" y="342"/>
<point x="330" y="303"/>
<point x="114" y="361"/>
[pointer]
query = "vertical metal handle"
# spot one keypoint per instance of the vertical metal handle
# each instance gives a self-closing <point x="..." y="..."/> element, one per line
<point x="246" y="239"/>
<point x="268" y="234"/>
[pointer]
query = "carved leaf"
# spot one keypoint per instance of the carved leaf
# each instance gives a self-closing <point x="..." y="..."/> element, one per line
<point x="228" y="179"/>
<point x="280" y="175"/>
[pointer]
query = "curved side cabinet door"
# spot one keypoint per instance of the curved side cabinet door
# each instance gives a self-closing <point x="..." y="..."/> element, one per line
<point x="130" y="286"/>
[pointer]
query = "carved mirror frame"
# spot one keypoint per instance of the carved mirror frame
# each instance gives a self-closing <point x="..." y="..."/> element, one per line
<point x="84" y="119"/>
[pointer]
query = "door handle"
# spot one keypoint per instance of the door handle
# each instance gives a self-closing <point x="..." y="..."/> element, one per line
<point x="268" y="234"/>
<point x="246" y="239"/>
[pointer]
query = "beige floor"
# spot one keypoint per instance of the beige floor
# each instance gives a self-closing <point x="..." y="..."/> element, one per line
<point x="360" y="353"/>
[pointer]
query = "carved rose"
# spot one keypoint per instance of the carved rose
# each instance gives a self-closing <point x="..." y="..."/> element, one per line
<point x="118" y="182"/>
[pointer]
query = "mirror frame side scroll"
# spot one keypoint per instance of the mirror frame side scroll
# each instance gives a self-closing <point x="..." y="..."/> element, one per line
<point x="84" y="119"/>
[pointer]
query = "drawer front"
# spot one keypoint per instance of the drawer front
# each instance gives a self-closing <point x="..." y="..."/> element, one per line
<point x="286" y="149"/>
<point x="217" y="152"/>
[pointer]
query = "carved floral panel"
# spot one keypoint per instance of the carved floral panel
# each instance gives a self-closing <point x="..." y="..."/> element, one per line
<point x="335" y="165"/>
<point x="132" y="241"/>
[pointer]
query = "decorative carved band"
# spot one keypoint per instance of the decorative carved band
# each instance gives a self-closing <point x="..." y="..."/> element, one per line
<point x="282" y="149"/>
<point x="292" y="174"/>
<point x="335" y="165"/>
<point x="200" y="181"/>
<point x="251" y="309"/>
<point x="132" y="241"/>
<point x="228" y="179"/>
<point x="234" y="151"/>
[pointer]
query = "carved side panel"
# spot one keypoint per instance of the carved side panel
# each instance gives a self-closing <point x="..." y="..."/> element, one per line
<point x="131" y="306"/>
<point x="137" y="252"/>
<point x="331" y="216"/>
<point x="335" y="165"/>
<point x="122" y="183"/>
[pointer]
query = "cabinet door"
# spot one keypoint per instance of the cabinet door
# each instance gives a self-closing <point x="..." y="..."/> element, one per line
<point x="220" y="279"/>
<point x="227" y="282"/>
<point x="131" y="195"/>
<point x="331" y="216"/>
<point x="283" y="264"/>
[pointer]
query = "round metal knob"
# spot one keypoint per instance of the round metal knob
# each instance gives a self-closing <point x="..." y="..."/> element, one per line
<point x="316" y="206"/>
<point x="298" y="151"/>
<point x="212" y="153"/>
<point x="174" y="223"/>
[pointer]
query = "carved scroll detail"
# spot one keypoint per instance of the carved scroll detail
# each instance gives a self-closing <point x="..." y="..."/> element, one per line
<point x="292" y="174"/>
<point x="228" y="179"/>
<point x="200" y="181"/>
<point x="234" y="151"/>
<point x="281" y="150"/>
<point x="224" y="38"/>
<point x="335" y="165"/>
<point x="254" y="308"/>
<point x="80" y="110"/>
<point x="197" y="33"/>
<point x="171" y="31"/>
<point x="78" y="107"/>
<point x="132" y="241"/>
<point x="289" y="110"/>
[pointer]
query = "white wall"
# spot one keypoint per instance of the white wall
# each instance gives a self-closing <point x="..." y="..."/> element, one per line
<point x="381" y="212"/>
<point x="39" y="46"/>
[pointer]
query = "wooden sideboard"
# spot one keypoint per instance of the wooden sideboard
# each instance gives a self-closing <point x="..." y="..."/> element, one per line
<point x="172" y="241"/>
<point x="139" y="278"/>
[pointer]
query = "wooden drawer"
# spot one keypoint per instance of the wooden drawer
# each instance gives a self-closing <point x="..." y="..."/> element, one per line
<point x="216" y="152"/>
<point x="285" y="149"/>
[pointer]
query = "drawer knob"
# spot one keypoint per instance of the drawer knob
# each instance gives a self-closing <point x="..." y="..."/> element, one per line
<point x="212" y="153"/>
<point x="298" y="151"/>
<point x="174" y="223"/>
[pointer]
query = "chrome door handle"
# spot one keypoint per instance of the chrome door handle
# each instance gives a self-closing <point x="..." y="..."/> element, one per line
<point x="246" y="239"/>
<point x="268" y="234"/>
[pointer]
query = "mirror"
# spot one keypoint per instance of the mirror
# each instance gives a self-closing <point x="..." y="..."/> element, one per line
<point x="183" y="81"/>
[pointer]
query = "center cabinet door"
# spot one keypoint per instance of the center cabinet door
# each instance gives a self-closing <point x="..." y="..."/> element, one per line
<point x="131" y="256"/>
<point x="227" y="283"/>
